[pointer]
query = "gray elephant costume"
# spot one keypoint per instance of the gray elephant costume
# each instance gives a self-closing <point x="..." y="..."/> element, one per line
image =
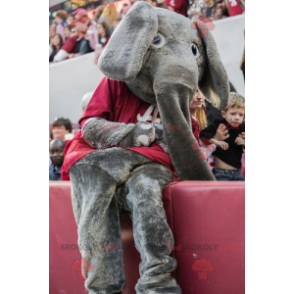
<point x="157" y="57"/>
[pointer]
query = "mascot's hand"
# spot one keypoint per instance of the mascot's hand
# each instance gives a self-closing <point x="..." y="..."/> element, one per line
<point x="160" y="138"/>
<point x="142" y="135"/>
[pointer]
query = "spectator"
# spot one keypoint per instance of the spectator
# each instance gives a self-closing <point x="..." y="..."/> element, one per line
<point x="206" y="9"/>
<point x="82" y="44"/>
<point x="61" y="129"/>
<point x="103" y="37"/>
<point x="81" y="15"/>
<point x="109" y="16"/>
<point x="67" y="31"/>
<point x="83" y="18"/>
<point x="56" y="44"/>
<point x="197" y="110"/>
<point x="70" y="20"/>
<point x="234" y="7"/>
<point x="179" y="6"/>
<point x="51" y="32"/>
<point x="60" y="20"/>
<point x="228" y="154"/>
<point x="199" y="122"/>
<point x="98" y="13"/>
<point x="67" y="48"/>
<point x="57" y="156"/>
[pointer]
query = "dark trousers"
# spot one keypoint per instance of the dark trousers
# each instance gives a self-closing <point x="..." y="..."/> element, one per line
<point x="228" y="175"/>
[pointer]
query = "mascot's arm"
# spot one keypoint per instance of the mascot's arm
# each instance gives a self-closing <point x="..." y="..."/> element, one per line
<point x="102" y="133"/>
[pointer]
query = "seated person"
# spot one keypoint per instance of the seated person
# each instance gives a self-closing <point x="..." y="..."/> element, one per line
<point x="83" y="45"/>
<point x="61" y="129"/>
<point x="67" y="48"/>
<point x="234" y="7"/>
<point x="228" y="154"/>
<point x="56" y="44"/>
<point x="56" y="155"/>
<point x="178" y="6"/>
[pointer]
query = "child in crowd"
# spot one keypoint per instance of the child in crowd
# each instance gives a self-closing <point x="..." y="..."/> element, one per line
<point x="228" y="154"/>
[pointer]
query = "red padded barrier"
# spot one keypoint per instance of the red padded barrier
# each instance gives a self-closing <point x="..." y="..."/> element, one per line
<point x="208" y="221"/>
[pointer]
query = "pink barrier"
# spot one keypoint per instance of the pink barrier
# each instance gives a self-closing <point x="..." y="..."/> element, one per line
<point x="208" y="221"/>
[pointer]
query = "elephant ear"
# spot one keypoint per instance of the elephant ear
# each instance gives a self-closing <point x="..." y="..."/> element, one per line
<point x="214" y="83"/>
<point x="123" y="56"/>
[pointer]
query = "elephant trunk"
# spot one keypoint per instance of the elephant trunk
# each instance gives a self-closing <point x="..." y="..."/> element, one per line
<point x="173" y="103"/>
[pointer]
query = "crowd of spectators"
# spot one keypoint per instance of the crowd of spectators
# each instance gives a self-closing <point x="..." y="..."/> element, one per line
<point x="81" y="32"/>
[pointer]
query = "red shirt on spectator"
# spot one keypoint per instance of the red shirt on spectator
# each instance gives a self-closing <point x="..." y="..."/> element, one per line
<point x="70" y="44"/>
<point x="234" y="7"/>
<point x="114" y="102"/>
<point x="179" y="6"/>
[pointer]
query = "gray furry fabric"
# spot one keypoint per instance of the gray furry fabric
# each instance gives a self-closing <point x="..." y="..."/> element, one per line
<point x="163" y="58"/>
<point x="95" y="180"/>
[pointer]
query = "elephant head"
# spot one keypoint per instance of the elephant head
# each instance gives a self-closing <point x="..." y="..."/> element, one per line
<point x="163" y="57"/>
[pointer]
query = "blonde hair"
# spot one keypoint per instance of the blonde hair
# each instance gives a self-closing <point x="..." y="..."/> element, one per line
<point x="110" y="14"/>
<point x="235" y="100"/>
<point x="201" y="117"/>
<point x="200" y="114"/>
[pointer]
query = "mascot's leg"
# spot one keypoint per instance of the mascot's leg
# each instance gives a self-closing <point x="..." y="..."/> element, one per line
<point x="94" y="180"/>
<point x="97" y="218"/>
<point x="152" y="234"/>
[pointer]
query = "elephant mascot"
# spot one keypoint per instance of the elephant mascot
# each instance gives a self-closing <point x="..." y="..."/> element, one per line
<point x="128" y="147"/>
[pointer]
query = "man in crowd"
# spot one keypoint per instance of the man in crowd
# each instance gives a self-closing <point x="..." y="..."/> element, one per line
<point x="56" y="155"/>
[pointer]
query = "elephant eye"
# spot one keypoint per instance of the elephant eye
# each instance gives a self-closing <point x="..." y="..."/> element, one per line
<point x="194" y="50"/>
<point x="158" y="41"/>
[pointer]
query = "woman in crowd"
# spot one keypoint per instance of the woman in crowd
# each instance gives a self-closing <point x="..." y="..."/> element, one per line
<point x="56" y="44"/>
<point x="103" y="37"/>
<point x="198" y="113"/>
<point x="98" y="13"/>
<point x="199" y="123"/>
<point x="51" y="32"/>
<point x="109" y="16"/>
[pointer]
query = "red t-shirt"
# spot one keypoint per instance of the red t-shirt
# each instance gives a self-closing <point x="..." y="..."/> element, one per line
<point x="70" y="44"/>
<point x="234" y="7"/>
<point x="114" y="102"/>
<point x="180" y="6"/>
